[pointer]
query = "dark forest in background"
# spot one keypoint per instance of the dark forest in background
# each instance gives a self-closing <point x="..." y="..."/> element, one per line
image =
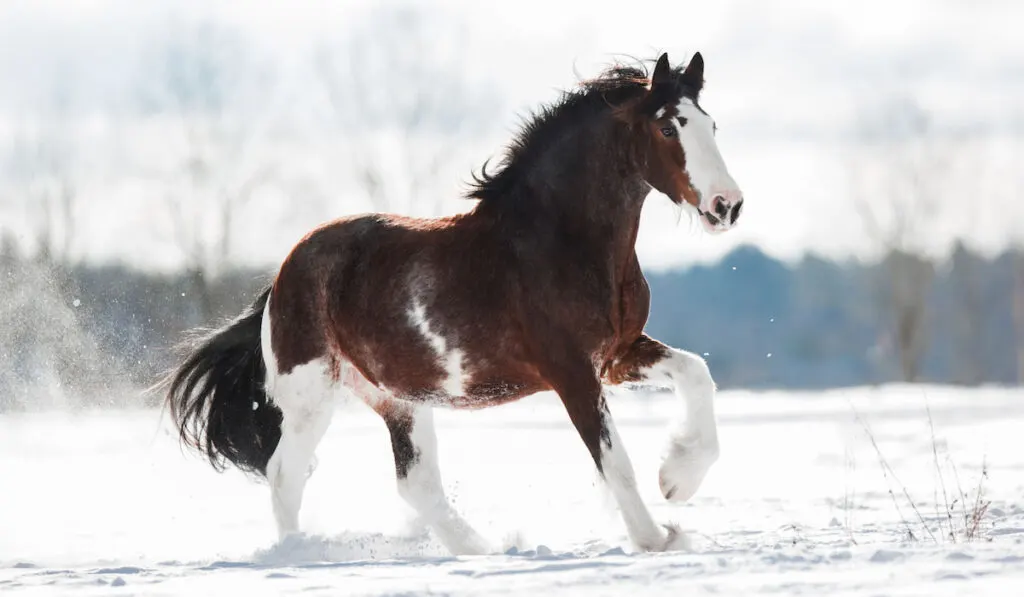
<point x="829" y="324"/>
<point x="94" y="332"/>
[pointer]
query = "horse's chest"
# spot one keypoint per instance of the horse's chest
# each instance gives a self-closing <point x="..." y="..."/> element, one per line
<point x="635" y="306"/>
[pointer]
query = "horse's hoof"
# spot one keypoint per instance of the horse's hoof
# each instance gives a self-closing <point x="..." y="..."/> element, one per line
<point x="676" y="539"/>
<point x="684" y="467"/>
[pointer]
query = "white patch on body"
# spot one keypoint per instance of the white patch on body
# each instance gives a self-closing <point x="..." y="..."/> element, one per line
<point x="693" y="437"/>
<point x="354" y="385"/>
<point x="269" y="360"/>
<point x="449" y="359"/>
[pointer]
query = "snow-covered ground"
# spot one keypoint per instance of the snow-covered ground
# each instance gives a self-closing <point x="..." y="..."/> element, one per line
<point x="106" y="503"/>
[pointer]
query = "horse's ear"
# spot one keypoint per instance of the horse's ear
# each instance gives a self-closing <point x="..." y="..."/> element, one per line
<point x="663" y="90"/>
<point x="694" y="73"/>
<point x="662" y="72"/>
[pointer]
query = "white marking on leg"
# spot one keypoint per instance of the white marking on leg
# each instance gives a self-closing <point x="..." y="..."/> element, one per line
<point x="451" y="359"/>
<point x="422" y="489"/>
<point x="693" y="437"/>
<point x="306" y="396"/>
<point x="290" y="467"/>
<point x="621" y="479"/>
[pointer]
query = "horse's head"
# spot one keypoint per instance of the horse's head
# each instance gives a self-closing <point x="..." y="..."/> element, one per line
<point x="682" y="159"/>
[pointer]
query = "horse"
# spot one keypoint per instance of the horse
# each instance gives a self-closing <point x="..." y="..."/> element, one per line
<point x="536" y="288"/>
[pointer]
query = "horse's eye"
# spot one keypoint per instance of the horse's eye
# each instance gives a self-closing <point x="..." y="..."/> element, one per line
<point x="668" y="131"/>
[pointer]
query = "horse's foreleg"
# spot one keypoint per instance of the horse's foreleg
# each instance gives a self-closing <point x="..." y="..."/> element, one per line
<point x="693" y="441"/>
<point x="414" y="444"/>
<point x="589" y="414"/>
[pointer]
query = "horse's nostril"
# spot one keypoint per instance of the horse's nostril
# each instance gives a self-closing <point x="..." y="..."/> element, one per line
<point x="736" y="209"/>
<point x="720" y="206"/>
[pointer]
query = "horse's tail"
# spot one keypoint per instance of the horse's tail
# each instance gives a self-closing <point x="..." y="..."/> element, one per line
<point x="217" y="398"/>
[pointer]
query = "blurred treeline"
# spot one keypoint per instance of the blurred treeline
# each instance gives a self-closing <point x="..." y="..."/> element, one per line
<point x="818" y="323"/>
<point x="93" y="335"/>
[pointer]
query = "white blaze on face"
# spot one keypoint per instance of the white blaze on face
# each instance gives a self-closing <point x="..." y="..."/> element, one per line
<point x="449" y="359"/>
<point x="705" y="166"/>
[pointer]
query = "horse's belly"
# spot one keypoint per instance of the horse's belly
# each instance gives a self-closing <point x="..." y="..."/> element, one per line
<point x="456" y="378"/>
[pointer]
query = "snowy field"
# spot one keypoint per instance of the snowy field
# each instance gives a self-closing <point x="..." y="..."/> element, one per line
<point x="105" y="503"/>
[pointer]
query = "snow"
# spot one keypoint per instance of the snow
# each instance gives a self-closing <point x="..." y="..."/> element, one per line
<point x="105" y="502"/>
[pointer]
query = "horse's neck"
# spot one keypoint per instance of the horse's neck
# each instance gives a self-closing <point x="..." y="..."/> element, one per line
<point x="602" y="214"/>
<point x="595" y="226"/>
<point x="610" y="236"/>
<point x="587" y="199"/>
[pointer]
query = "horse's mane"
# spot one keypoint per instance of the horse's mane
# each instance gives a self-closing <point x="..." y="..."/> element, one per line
<point x="615" y="86"/>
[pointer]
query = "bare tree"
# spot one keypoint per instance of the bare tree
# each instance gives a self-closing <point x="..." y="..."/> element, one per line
<point x="900" y="189"/>
<point x="43" y="175"/>
<point x="208" y="88"/>
<point x="399" y="96"/>
<point x="967" y="316"/>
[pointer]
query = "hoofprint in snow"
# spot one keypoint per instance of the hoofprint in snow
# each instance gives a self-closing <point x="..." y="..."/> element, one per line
<point x="97" y="502"/>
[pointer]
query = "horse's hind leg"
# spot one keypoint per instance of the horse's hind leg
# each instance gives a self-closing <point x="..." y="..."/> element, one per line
<point x="306" y="399"/>
<point x="414" y="443"/>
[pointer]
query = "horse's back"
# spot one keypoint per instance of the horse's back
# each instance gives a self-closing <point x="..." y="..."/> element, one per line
<point x="423" y="308"/>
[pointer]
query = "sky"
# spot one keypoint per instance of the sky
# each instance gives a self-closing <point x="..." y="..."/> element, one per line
<point x="795" y="87"/>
